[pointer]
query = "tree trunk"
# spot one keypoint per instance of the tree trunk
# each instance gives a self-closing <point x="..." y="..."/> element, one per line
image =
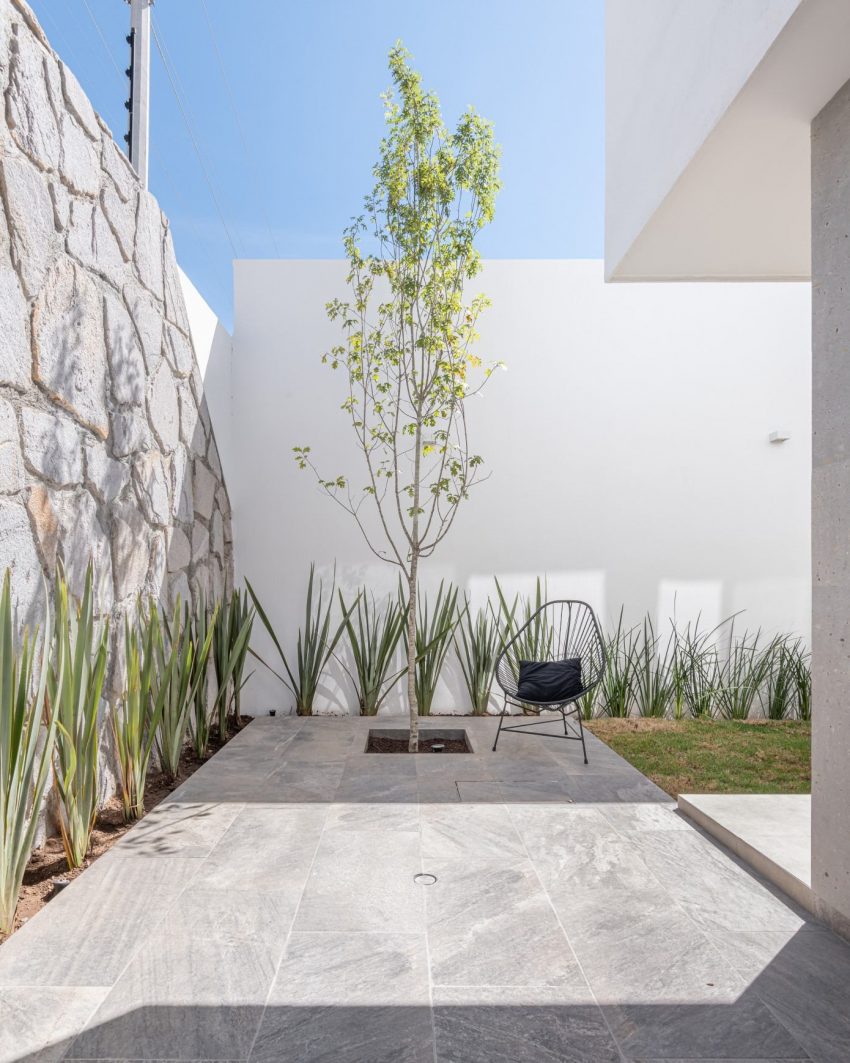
<point x="413" y="747"/>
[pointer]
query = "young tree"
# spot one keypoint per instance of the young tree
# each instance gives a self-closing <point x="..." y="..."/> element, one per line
<point x="408" y="332"/>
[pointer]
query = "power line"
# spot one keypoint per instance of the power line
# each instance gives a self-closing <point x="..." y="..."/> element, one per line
<point x="172" y="79"/>
<point x="249" y="155"/>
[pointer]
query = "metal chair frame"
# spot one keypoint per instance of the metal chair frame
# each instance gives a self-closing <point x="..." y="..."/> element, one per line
<point x="558" y="630"/>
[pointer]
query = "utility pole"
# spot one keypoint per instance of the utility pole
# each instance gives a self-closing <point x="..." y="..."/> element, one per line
<point x="139" y="73"/>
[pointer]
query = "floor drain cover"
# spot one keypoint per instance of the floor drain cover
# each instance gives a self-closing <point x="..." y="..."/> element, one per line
<point x="424" y="879"/>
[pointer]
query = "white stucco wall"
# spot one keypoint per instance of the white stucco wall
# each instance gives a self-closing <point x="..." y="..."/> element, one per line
<point x="628" y="444"/>
<point x="214" y="351"/>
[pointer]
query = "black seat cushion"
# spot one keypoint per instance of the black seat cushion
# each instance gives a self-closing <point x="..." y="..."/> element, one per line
<point x="549" y="681"/>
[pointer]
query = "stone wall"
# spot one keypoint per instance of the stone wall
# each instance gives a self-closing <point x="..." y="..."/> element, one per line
<point x="106" y="446"/>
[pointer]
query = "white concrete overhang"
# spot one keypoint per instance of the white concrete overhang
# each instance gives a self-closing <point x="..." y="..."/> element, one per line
<point x="708" y="112"/>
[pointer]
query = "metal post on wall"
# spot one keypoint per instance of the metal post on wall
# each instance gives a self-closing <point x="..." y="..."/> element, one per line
<point x="139" y="73"/>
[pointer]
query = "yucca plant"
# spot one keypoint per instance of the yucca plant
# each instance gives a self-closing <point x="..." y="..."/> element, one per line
<point x="615" y="694"/>
<point x="26" y="749"/>
<point x="231" y="641"/>
<point x="742" y="675"/>
<point x="136" y="725"/>
<point x="74" y="685"/>
<point x="434" y="631"/>
<point x="316" y="642"/>
<point x="180" y="666"/>
<point x="652" y="672"/>
<point x="478" y="642"/>
<point x="373" y="637"/>
<point x="203" y="623"/>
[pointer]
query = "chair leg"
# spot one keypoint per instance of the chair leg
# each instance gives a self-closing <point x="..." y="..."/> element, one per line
<point x="501" y="718"/>
<point x="581" y="732"/>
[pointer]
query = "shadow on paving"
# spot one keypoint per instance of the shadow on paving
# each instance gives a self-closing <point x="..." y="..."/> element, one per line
<point x="792" y="1009"/>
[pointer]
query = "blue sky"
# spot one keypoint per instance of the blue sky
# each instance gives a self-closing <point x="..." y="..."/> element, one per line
<point x="306" y="76"/>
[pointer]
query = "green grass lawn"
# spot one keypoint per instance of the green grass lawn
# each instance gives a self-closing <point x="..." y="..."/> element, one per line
<point x="714" y="756"/>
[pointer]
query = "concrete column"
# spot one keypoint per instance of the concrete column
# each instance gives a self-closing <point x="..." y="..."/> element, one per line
<point x="831" y="511"/>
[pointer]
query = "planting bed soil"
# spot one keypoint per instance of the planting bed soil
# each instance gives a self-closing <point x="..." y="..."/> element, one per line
<point x="429" y="742"/>
<point x="47" y="864"/>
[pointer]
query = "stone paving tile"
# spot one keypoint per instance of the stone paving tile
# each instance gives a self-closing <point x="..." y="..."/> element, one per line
<point x="804" y="978"/>
<point x="559" y="888"/>
<point x="197" y="987"/>
<point x="178" y="828"/>
<point x="494" y="926"/>
<point x="682" y="860"/>
<point x="95" y="926"/>
<point x="39" y="1025"/>
<point x="474" y="834"/>
<point x="743" y="1028"/>
<point x="268" y="848"/>
<point x="363" y="880"/>
<point x="535" y="1030"/>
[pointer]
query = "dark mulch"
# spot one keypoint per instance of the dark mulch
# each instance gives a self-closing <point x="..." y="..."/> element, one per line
<point x="380" y="744"/>
<point x="47" y="864"/>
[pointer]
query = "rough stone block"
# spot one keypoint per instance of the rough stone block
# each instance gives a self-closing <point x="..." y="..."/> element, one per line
<point x="52" y="446"/>
<point x="116" y="164"/>
<point x="200" y="542"/>
<point x="78" y="103"/>
<point x="45" y="523"/>
<point x="217" y="534"/>
<point x="182" y="500"/>
<point x="69" y="353"/>
<point x="14" y="330"/>
<point x="92" y="243"/>
<point x="179" y="550"/>
<point x="148" y="256"/>
<point x="130" y="432"/>
<point x="175" y="307"/>
<point x="18" y="553"/>
<point x="30" y="217"/>
<point x="204" y="485"/>
<point x="162" y="409"/>
<point x="151" y="478"/>
<point x="82" y="539"/>
<point x="121" y="217"/>
<point x="79" y="159"/>
<point x="148" y="320"/>
<point x="104" y="476"/>
<point x="11" y="465"/>
<point x="29" y="110"/>
<point x="126" y="366"/>
<point x="131" y="549"/>
<point x="179" y="352"/>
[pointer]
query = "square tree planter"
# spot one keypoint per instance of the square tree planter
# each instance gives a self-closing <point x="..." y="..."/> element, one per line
<point x="431" y="740"/>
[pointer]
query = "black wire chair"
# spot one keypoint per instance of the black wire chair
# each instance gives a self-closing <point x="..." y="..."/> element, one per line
<point x="557" y="631"/>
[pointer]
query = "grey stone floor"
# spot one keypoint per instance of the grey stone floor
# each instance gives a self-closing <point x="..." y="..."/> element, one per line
<point x="268" y="912"/>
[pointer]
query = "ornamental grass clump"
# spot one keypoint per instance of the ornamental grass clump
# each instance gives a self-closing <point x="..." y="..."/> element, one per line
<point x="373" y="638"/>
<point x="615" y="695"/>
<point x="203" y="626"/>
<point x="652" y="672"/>
<point x="27" y="734"/>
<point x="74" y="685"/>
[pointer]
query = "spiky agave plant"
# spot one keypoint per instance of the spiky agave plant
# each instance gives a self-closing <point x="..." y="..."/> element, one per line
<point x="203" y="622"/>
<point x="373" y="637"/>
<point x="316" y="642"/>
<point x="27" y="734"/>
<point x="652" y="671"/>
<point x="434" y="630"/>
<point x="479" y="641"/>
<point x="136" y="724"/>
<point x="231" y="641"/>
<point x="616" y="687"/>
<point x="74" y="685"/>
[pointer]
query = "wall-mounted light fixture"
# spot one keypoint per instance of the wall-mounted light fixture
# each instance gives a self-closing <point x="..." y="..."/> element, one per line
<point x="779" y="435"/>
